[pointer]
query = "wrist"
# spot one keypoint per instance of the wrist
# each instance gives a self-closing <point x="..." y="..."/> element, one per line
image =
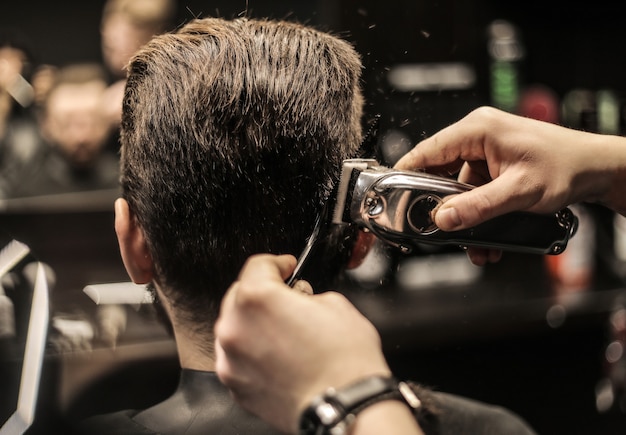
<point x="602" y="174"/>
<point x="614" y="197"/>
<point x="375" y="420"/>
<point x="334" y="412"/>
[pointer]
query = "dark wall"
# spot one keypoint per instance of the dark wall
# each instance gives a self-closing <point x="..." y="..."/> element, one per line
<point x="68" y="31"/>
<point x="57" y="31"/>
<point x="569" y="44"/>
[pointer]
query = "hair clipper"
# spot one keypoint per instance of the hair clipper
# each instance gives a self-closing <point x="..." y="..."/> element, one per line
<point x="396" y="206"/>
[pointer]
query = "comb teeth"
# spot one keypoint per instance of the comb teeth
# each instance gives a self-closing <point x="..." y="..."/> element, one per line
<point x="12" y="254"/>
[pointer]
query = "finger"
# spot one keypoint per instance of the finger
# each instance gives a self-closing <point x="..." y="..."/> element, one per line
<point x="504" y="194"/>
<point x="260" y="275"/>
<point x="260" y="285"/>
<point x="474" y="173"/>
<point x="285" y="264"/>
<point x="303" y="286"/>
<point x="477" y="256"/>
<point x="495" y="255"/>
<point x="227" y="309"/>
<point x="268" y="266"/>
<point x="223" y="367"/>
<point x="461" y="141"/>
<point x="362" y="246"/>
<point x="482" y="256"/>
<point x="221" y="363"/>
<point x="233" y="371"/>
<point x="428" y="155"/>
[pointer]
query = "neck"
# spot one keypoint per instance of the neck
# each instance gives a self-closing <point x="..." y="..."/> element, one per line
<point x="193" y="350"/>
<point x="196" y="350"/>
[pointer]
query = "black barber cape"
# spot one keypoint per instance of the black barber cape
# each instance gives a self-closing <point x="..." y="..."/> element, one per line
<point x="202" y="405"/>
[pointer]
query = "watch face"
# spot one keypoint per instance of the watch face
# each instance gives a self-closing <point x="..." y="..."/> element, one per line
<point x="327" y="414"/>
<point x="318" y="417"/>
<point x="332" y="413"/>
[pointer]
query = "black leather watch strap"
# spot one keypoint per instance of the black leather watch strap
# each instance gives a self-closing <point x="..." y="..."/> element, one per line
<point x="333" y="412"/>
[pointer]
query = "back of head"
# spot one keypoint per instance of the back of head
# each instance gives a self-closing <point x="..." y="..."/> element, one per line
<point x="233" y="134"/>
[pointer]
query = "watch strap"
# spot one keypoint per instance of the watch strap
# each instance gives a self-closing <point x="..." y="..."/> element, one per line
<point x="333" y="412"/>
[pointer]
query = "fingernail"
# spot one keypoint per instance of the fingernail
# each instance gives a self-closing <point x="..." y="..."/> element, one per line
<point x="448" y="218"/>
<point x="303" y="287"/>
<point x="495" y="256"/>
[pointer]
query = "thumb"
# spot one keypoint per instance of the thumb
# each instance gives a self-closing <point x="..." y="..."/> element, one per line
<point x="499" y="196"/>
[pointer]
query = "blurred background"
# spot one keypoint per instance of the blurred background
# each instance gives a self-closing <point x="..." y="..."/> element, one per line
<point x="542" y="336"/>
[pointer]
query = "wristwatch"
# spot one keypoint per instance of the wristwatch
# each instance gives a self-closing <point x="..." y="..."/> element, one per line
<point x="333" y="412"/>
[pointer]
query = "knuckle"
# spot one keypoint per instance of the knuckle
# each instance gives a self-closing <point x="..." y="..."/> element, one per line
<point x="228" y="338"/>
<point x="222" y="369"/>
<point x="253" y="261"/>
<point x="483" y="207"/>
<point x="251" y="294"/>
<point x="227" y="377"/>
<point x="474" y="208"/>
<point x="370" y="329"/>
<point x="335" y="299"/>
<point x="484" y="113"/>
<point x="530" y="190"/>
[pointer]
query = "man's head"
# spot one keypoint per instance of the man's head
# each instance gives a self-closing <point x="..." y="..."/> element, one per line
<point x="72" y="117"/>
<point x="233" y="133"/>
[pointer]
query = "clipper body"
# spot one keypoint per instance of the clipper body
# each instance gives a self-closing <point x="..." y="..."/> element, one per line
<point x="396" y="206"/>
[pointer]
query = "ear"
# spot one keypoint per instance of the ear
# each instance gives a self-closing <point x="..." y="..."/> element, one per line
<point x="133" y="248"/>
<point x="362" y="245"/>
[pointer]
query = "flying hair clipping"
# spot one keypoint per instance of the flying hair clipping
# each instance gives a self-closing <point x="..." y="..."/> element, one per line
<point x="369" y="148"/>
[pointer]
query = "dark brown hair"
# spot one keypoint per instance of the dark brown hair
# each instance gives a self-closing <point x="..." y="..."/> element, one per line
<point x="233" y="134"/>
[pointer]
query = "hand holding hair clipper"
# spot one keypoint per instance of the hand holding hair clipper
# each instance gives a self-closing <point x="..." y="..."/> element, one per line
<point x="519" y="164"/>
<point x="396" y="206"/>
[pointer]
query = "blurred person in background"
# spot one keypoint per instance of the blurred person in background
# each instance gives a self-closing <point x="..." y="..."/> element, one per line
<point x="19" y="138"/>
<point x="75" y="156"/>
<point x="125" y="26"/>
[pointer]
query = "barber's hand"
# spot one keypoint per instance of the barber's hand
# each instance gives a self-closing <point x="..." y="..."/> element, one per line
<point x="277" y="347"/>
<point x="518" y="163"/>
